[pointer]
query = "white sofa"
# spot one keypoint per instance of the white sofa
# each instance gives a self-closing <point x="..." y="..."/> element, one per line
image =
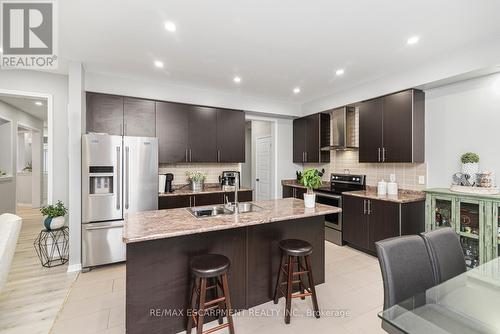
<point x="10" y="226"/>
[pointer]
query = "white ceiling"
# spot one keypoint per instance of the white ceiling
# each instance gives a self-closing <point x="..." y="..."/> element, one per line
<point x="273" y="45"/>
<point x="27" y="104"/>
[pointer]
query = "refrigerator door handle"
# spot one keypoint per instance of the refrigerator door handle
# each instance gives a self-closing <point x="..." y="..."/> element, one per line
<point x="118" y="176"/>
<point x="127" y="176"/>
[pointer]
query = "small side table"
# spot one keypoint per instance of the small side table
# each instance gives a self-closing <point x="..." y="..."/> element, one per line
<point x="52" y="247"/>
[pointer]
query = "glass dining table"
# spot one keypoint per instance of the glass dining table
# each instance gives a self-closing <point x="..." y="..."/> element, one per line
<point x="468" y="303"/>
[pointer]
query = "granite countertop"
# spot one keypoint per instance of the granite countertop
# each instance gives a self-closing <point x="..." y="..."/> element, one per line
<point x="207" y="190"/>
<point x="403" y="196"/>
<point x="296" y="184"/>
<point x="161" y="224"/>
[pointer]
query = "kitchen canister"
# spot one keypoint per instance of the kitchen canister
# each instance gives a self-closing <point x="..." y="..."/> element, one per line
<point x="392" y="188"/>
<point x="382" y="188"/>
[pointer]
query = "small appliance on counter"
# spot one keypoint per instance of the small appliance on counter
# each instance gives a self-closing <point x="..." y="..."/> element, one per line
<point x="228" y="180"/>
<point x="169" y="177"/>
<point x="392" y="186"/>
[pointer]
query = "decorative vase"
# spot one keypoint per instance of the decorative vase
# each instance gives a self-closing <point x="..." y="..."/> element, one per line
<point x="309" y="200"/>
<point x="52" y="223"/>
<point x="197" y="185"/>
<point x="472" y="169"/>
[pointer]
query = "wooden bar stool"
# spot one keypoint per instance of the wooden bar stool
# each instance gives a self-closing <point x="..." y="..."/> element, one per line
<point x="293" y="253"/>
<point x="210" y="275"/>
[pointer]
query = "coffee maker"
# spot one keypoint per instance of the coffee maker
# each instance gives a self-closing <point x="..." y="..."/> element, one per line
<point x="165" y="183"/>
<point x="228" y="180"/>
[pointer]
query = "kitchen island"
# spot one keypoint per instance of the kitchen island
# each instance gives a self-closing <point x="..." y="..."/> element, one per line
<point x="161" y="243"/>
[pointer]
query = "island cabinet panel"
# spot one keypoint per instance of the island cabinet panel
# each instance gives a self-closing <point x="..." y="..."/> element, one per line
<point x="263" y="269"/>
<point x="139" y="117"/>
<point x="158" y="278"/>
<point x="159" y="281"/>
<point x="207" y="199"/>
<point x="105" y="113"/>
<point x="243" y="196"/>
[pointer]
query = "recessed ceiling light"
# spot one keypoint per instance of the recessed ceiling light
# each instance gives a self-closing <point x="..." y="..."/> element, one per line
<point x="38" y="103"/>
<point x="413" y="40"/>
<point x="340" y="71"/>
<point x="170" y="26"/>
<point x="237" y="79"/>
<point x="296" y="90"/>
<point x="159" y="64"/>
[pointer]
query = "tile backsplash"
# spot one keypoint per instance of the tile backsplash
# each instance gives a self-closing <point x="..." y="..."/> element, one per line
<point x="213" y="171"/>
<point x="407" y="175"/>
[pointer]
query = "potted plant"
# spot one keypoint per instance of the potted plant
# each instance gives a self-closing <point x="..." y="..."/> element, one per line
<point x="54" y="215"/>
<point x="311" y="180"/>
<point x="470" y="166"/>
<point x="197" y="180"/>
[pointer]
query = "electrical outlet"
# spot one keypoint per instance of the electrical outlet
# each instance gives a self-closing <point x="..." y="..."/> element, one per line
<point x="421" y="179"/>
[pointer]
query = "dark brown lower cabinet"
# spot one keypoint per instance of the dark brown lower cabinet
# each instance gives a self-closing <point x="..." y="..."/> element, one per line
<point x="296" y="192"/>
<point x="186" y="201"/>
<point x="366" y="221"/>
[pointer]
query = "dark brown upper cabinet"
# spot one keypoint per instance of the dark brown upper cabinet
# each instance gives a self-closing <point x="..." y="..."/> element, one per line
<point x="105" y="113"/>
<point x="391" y="128"/>
<point x="139" y="117"/>
<point x="310" y="133"/>
<point x="230" y="135"/>
<point x="202" y="134"/>
<point x="172" y="124"/>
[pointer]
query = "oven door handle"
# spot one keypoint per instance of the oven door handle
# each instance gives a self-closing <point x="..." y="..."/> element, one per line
<point x="320" y="194"/>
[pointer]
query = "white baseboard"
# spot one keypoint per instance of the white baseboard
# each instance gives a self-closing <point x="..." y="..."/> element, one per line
<point x="74" y="267"/>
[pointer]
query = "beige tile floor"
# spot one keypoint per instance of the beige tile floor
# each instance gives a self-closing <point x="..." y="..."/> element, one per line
<point x="96" y="303"/>
<point x="33" y="295"/>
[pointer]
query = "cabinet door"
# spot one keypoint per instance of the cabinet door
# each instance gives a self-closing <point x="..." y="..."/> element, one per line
<point x="172" y="121"/>
<point x="383" y="221"/>
<point x="243" y="196"/>
<point x="299" y="140"/>
<point x="299" y="193"/>
<point x="287" y="192"/>
<point x="354" y="221"/>
<point x="203" y="134"/>
<point x="398" y="127"/>
<point x="173" y="202"/>
<point x="370" y="131"/>
<point x="312" y="138"/>
<point x="207" y="199"/>
<point x="105" y="113"/>
<point x="139" y="117"/>
<point x="470" y="229"/>
<point x="230" y="135"/>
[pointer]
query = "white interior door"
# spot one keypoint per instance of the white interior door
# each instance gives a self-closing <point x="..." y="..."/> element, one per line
<point x="263" y="168"/>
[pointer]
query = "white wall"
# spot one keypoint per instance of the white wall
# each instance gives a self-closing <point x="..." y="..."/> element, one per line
<point x="167" y="92"/>
<point x="483" y="55"/>
<point x="57" y="86"/>
<point x="8" y="187"/>
<point x="462" y="117"/>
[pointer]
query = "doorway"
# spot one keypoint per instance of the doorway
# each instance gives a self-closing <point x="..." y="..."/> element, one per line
<point x="258" y="170"/>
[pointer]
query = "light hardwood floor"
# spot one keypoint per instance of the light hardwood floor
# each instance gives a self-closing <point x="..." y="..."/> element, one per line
<point x="33" y="295"/>
<point x="96" y="303"/>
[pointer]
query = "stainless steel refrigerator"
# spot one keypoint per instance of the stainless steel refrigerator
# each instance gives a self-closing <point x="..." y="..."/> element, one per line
<point x="119" y="176"/>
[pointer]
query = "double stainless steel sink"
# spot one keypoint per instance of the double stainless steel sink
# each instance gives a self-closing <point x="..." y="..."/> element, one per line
<point x="223" y="209"/>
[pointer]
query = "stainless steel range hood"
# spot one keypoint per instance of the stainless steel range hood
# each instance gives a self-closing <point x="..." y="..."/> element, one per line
<point x="344" y="131"/>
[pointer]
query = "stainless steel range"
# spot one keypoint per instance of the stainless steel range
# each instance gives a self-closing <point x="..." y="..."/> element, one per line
<point x="332" y="195"/>
<point x="119" y="176"/>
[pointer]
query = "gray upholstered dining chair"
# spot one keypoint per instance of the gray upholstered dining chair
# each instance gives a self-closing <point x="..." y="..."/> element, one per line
<point x="406" y="270"/>
<point x="445" y="252"/>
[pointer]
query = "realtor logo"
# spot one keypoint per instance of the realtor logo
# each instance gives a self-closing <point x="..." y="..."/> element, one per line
<point x="28" y="35"/>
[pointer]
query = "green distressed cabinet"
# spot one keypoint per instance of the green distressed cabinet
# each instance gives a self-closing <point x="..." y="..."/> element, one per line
<point x="475" y="218"/>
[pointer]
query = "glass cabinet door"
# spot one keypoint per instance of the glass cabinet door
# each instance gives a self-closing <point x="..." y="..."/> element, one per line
<point x="497" y="231"/>
<point x="469" y="229"/>
<point x="443" y="213"/>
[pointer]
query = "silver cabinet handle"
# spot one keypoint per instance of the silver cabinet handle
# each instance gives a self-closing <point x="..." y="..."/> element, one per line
<point x="118" y="176"/>
<point x="190" y="156"/>
<point x="379" y="154"/>
<point x="305" y="153"/>
<point x="218" y="155"/>
<point x="364" y="206"/>
<point x="187" y="155"/>
<point x="190" y="198"/>
<point x="194" y="200"/>
<point x="369" y="207"/>
<point x="383" y="153"/>
<point x="127" y="176"/>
